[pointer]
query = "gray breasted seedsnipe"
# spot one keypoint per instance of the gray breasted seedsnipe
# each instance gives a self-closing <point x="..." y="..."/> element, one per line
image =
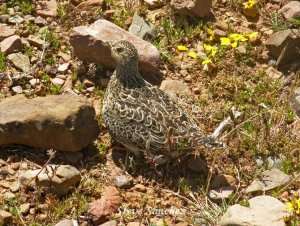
<point x="142" y="117"/>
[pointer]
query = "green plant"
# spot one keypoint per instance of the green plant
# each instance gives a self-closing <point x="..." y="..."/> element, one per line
<point x="98" y="92"/>
<point x="287" y="166"/>
<point x="2" y="62"/>
<point x="102" y="148"/>
<point x="60" y="11"/>
<point x="55" y="89"/>
<point x="4" y="10"/>
<point x="45" y="77"/>
<point x="80" y="86"/>
<point x="26" y="6"/>
<point x="28" y="51"/>
<point x="278" y="22"/>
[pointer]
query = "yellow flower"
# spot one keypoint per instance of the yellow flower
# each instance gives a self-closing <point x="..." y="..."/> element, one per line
<point x="211" y="34"/>
<point x="234" y="45"/>
<point x="249" y="4"/>
<point x="290" y="206"/>
<point x="237" y="37"/>
<point x="225" y="41"/>
<point x="193" y="55"/>
<point x="181" y="48"/>
<point x="252" y="35"/>
<point x="206" y="61"/>
<point x="210" y="49"/>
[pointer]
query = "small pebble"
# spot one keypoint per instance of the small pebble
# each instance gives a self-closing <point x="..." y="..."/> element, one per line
<point x="122" y="181"/>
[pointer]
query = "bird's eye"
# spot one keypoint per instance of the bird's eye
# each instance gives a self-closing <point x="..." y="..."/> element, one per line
<point x="119" y="49"/>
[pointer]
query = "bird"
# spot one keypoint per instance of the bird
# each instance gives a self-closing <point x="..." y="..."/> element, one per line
<point x="142" y="117"/>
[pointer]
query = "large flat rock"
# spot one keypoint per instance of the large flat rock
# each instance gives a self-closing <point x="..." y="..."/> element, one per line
<point x="89" y="45"/>
<point x="284" y="44"/>
<point x="262" y="211"/>
<point x="63" y="123"/>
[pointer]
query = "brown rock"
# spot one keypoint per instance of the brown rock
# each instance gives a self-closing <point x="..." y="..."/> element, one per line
<point x="36" y="122"/>
<point x="175" y="88"/>
<point x="197" y="164"/>
<point x="11" y="44"/>
<point x="5" y="32"/>
<point x="89" y="45"/>
<point x="285" y="44"/>
<point x="90" y="5"/>
<point x="102" y="208"/>
<point x="46" y="8"/>
<point x="219" y="33"/>
<point x="35" y="41"/>
<point x="199" y="8"/>
<point x="220" y="181"/>
<point x="291" y="10"/>
<point x="5" y="217"/>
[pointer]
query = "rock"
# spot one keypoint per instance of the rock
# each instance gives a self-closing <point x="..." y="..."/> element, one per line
<point x="175" y="88"/>
<point x="88" y="83"/>
<point x="122" y="181"/>
<point x="220" y="181"/>
<point x="152" y="4"/>
<point x="63" y="68"/>
<point x="29" y="18"/>
<point x="262" y="210"/>
<point x="4" y="18"/>
<point x="64" y="56"/>
<point x="67" y="222"/>
<point x="218" y="195"/>
<point x="40" y="21"/>
<point x="8" y="195"/>
<point x="291" y="10"/>
<point x="89" y="45"/>
<point x="199" y="8"/>
<point x="110" y="223"/>
<point x="5" y="217"/>
<point x="11" y="44"/>
<point x="35" y="41"/>
<point x="101" y="209"/>
<point x="17" y="89"/>
<point x="270" y="179"/>
<point x="136" y="224"/>
<point x="140" y="188"/>
<point x="197" y="165"/>
<point x="142" y="28"/>
<point x="241" y="49"/>
<point x="14" y="187"/>
<point x="73" y="157"/>
<point x="275" y="162"/>
<point x="35" y="122"/>
<point x="51" y="70"/>
<point x="6" y="32"/>
<point x="296" y="101"/>
<point x="20" y="61"/>
<point x="46" y="8"/>
<point x="15" y="20"/>
<point x="58" y="179"/>
<point x="34" y="81"/>
<point x="24" y="208"/>
<point x="58" y="81"/>
<point x="285" y="39"/>
<point x="90" y="5"/>
<point x="273" y="73"/>
<point x="218" y="33"/>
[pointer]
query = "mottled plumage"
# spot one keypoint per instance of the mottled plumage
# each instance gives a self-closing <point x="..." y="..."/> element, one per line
<point x="142" y="117"/>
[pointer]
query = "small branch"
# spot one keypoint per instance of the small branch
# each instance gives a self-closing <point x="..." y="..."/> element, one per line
<point x="225" y="123"/>
<point x="51" y="156"/>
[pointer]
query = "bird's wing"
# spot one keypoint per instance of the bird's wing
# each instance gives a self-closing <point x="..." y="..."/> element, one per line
<point x="153" y="115"/>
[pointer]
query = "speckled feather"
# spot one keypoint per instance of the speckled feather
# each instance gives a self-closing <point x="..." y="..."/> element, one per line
<point x="141" y="116"/>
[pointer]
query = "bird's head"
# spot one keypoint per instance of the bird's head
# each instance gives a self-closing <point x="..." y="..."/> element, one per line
<point x="124" y="52"/>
